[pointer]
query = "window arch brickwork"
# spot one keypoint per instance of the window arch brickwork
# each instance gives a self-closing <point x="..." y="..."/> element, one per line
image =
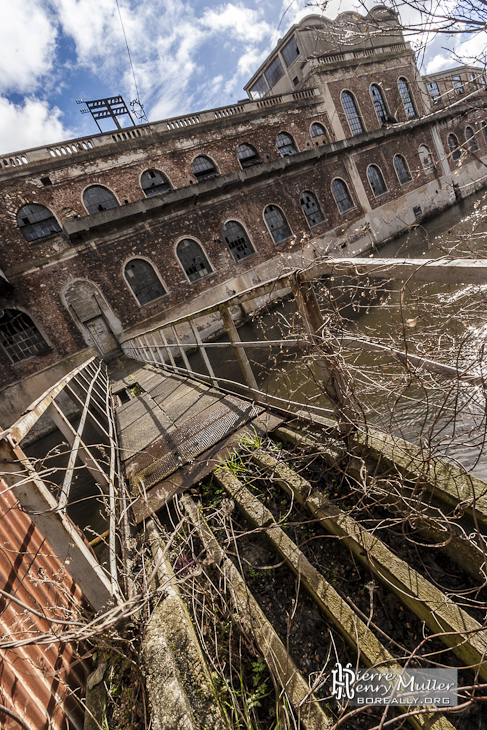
<point x="237" y="240"/>
<point x="143" y="280"/>
<point x="19" y="336"/>
<point x="193" y="259"/>
<point x="277" y="223"/>
<point x="154" y="182"/>
<point x="97" y="198"/>
<point x="36" y="221"/>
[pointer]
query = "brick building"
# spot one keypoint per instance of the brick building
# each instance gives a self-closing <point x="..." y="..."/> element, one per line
<point x="341" y="144"/>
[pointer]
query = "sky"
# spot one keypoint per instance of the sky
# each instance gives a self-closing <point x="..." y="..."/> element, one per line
<point x="187" y="56"/>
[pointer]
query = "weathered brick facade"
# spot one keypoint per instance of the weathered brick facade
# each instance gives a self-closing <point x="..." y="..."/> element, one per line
<point x="73" y="283"/>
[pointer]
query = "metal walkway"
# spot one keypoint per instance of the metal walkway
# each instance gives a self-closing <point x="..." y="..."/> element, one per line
<point x="173" y="430"/>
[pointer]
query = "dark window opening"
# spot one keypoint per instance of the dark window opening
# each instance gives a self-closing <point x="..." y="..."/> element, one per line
<point x="290" y="52"/>
<point x="407" y="101"/>
<point x="36" y="221"/>
<point x="295" y="81"/>
<point x="193" y="260"/>
<point x="46" y="180"/>
<point x="376" y="180"/>
<point x="274" y="71"/>
<point x="19" y="336"/>
<point x="285" y="144"/>
<point x="417" y="212"/>
<point x="402" y="170"/>
<point x="248" y="155"/>
<point x="97" y="198"/>
<point x="471" y="139"/>
<point x="455" y="150"/>
<point x="203" y="168"/>
<point x="237" y="240"/>
<point x="379" y="103"/>
<point x="311" y="208"/>
<point x="154" y="182"/>
<point x="351" y="111"/>
<point x="143" y="281"/>
<point x="342" y="196"/>
<point x="317" y="130"/>
<point x="277" y="223"/>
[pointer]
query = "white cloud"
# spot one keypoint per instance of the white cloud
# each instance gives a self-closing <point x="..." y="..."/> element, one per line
<point x="29" y="125"/>
<point x="28" y="44"/>
<point x="238" y="22"/>
<point x="438" y="63"/>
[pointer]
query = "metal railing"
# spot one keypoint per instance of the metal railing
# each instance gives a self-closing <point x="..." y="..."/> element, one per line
<point x="161" y="345"/>
<point x="46" y="492"/>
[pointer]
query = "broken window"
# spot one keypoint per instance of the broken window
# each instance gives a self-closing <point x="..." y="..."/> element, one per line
<point x="425" y="157"/>
<point x="351" y="111"/>
<point x="376" y="180"/>
<point x="455" y="150"/>
<point x="97" y="198"/>
<point x="379" y="103"/>
<point x="317" y="130"/>
<point x="434" y="91"/>
<point x="311" y="208"/>
<point x="458" y="84"/>
<point x="154" y="182"/>
<point x="471" y="139"/>
<point x="473" y="80"/>
<point x="274" y="71"/>
<point x="193" y="259"/>
<point x="402" y="169"/>
<point x="290" y="52"/>
<point x="143" y="281"/>
<point x="36" y="221"/>
<point x="285" y="144"/>
<point x="237" y="240"/>
<point x="248" y="155"/>
<point x="203" y="168"/>
<point x="407" y="101"/>
<point x="259" y="89"/>
<point x="19" y="336"/>
<point x="276" y="223"/>
<point x="342" y="197"/>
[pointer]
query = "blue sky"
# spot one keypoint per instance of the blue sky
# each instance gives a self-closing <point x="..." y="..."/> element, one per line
<point x="187" y="56"/>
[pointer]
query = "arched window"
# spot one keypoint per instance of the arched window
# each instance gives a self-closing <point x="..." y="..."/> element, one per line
<point x="97" y="198"/>
<point x="471" y="139"/>
<point x="237" y="240"/>
<point x="379" y="103"/>
<point x="407" y="101"/>
<point x="248" y="155"/>
<point x="317" y="130"/>
<point x="376" y="180"/>
<point x="193" y="259"/>
<point x="276" y="223"/>
<point x="154" y="182"/>
<point x="425" y="157"/>
<point x="351" y="111"/>
<point x="484" y="131"/>
<point x="285" y="144"/>
<point x="402" y="169"/>
<point x="455" y="150"/>
<point x="342" y="196"/>
<point x="36" y="221"/>
<point x="203" y="168"/>
<point x="19" y="336"/>
<point x="311" y="208"/>
<point x="143" y="281"/>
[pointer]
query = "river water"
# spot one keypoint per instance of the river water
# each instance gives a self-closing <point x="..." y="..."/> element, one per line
<point x="447" y="323"/>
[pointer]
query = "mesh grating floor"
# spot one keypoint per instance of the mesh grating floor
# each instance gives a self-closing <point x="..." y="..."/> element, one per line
<point x="192" y="438"/>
